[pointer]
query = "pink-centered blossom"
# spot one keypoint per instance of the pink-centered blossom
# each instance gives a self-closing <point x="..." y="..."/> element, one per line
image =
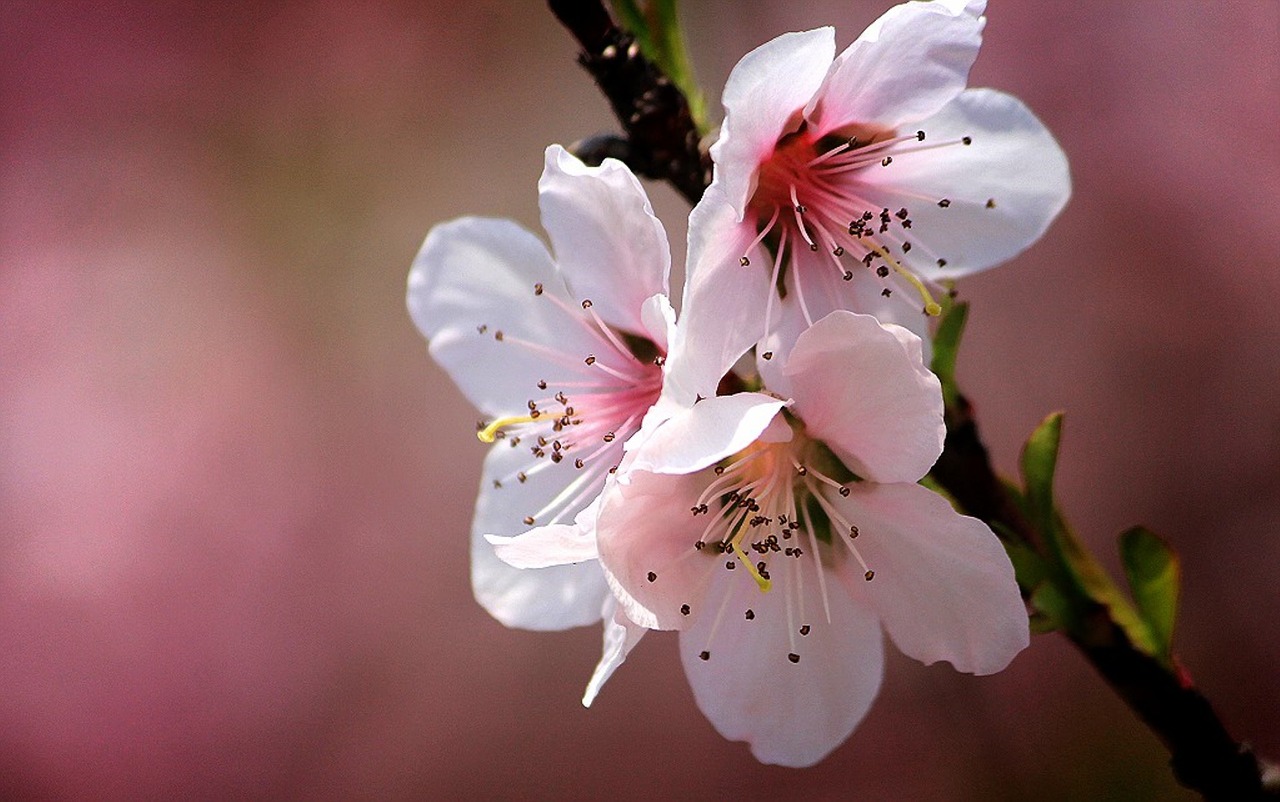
<point x="562" y="356"/>
<point x="782" y="537"/>
<point x="860" y="181"/>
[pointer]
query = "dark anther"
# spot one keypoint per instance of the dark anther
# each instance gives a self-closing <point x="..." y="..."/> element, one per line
<point x="804" y="630"/>
<point x="793" y="657"/>
<point x="945" y="202"/>
<point x="652" y="577"/>
<point x="744" y="261"/>
<point x="537" y="288"/>
<point x="967" y="140"/>
<point x="942" y="263"/>
<point x="869" y="575"/>
<point x="886" y="292"/>
<point x="839" y="251"/>
<point x="906" y="247"/>
<point x="767" y="355"/>
<point x="886" y="161"/>
<point x="704" y="655"/>
<point x="590" y="360"/>
<point x="882" y="271"/>
<point x="991" y="203"/>
<point x="920" y="135"/>
<point x="684" y="609"/>
<point x="497" y="335"/>
<point x="528" y="520"/>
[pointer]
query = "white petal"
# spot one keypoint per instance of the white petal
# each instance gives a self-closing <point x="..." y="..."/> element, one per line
<point x="1014" y="162"/>
<point x="762" y="100"/>
<point x="610" y="247"/>
<point x="555" y="544"/>
<point x="659" y="321"/>
<point x="621" y="635"/>
<point x="722" y="312"/>
<point x="904" y="67"/>
<point x="711" y="430"/>
<point x="646" y="534"/>
<point x="792" y="714"/>
<point x="475" y="277"/>
<point x="543" y="598"/>
<point x="861" y="388"/>
<point x="943" y="587"/>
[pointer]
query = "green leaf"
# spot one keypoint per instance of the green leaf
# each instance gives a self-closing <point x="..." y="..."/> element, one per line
<point x="1028" y="566"/>
<point x="1039" y="462"/>
<point x="1053" y="610"/>
<point x="656" y="26"/>
<point x="1076" y="576"/>
<point x="946" y="347"/>
<point x="1154" y="575"/>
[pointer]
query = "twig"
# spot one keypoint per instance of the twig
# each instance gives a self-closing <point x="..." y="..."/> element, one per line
<point x="662" y="141"/>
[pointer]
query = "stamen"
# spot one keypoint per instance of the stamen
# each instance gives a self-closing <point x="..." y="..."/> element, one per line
<point x="490" y="433"/>
<point x="931" y="307"/>
<point x="760" y="237"/>
<point x="761" y="582"/>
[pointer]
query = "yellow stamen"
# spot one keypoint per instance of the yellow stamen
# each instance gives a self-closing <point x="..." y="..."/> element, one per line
<point x="931" y="307"/>
<point x="490" y="433"/>
<point x="764" y="584"/>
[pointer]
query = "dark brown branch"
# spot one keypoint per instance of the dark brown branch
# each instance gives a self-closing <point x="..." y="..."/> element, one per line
<point x="662" y="141"/>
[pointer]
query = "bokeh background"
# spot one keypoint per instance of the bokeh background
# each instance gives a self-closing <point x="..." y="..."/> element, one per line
<point x="235" y="492"/>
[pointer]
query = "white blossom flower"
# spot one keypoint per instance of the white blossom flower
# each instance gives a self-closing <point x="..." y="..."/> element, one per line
<point x="843" y="180"/>
<point x="756" y="526"/>
<point x="563" y="358"/>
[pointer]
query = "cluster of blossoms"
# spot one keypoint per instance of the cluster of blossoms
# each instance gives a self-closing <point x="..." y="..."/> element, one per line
<point x="644" y="474"/>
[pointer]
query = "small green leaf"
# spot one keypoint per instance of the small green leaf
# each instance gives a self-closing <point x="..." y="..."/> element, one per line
<point x="1154" y="574"/>
<point x="1039" y="461"/>
<point x="656" y="26"/>
<point x="1028" y="566"/>
<point x="946" y="347"/>
<point x="1053" y="609"/>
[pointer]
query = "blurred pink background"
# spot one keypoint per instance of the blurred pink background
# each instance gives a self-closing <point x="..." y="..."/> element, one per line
<point x="234" y="491"/>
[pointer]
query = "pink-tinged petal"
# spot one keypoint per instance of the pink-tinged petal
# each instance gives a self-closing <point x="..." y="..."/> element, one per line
<point x="621" y="635"/>
<point x="904" y="67"/>
<point x="610" y="247"/>
<point x="550" y="598"/>
<point x="646" y="534"/>
<point x="943" y="588"/>
<point x="474" y="281"/>
<point x="706" y="433"/>
<point x="860" y="387"/>
<point x="555" y="544"/>
<point x="762" y="101"/>
<point x="1001" y="192"/>
<point x="792" y="713"/>
<point x="722" y="312"/>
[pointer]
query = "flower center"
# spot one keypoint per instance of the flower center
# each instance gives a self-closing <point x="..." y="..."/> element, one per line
<point x="583" y="417"/>
<point x="769" y="516"/>
<point x="810" y="195"/>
